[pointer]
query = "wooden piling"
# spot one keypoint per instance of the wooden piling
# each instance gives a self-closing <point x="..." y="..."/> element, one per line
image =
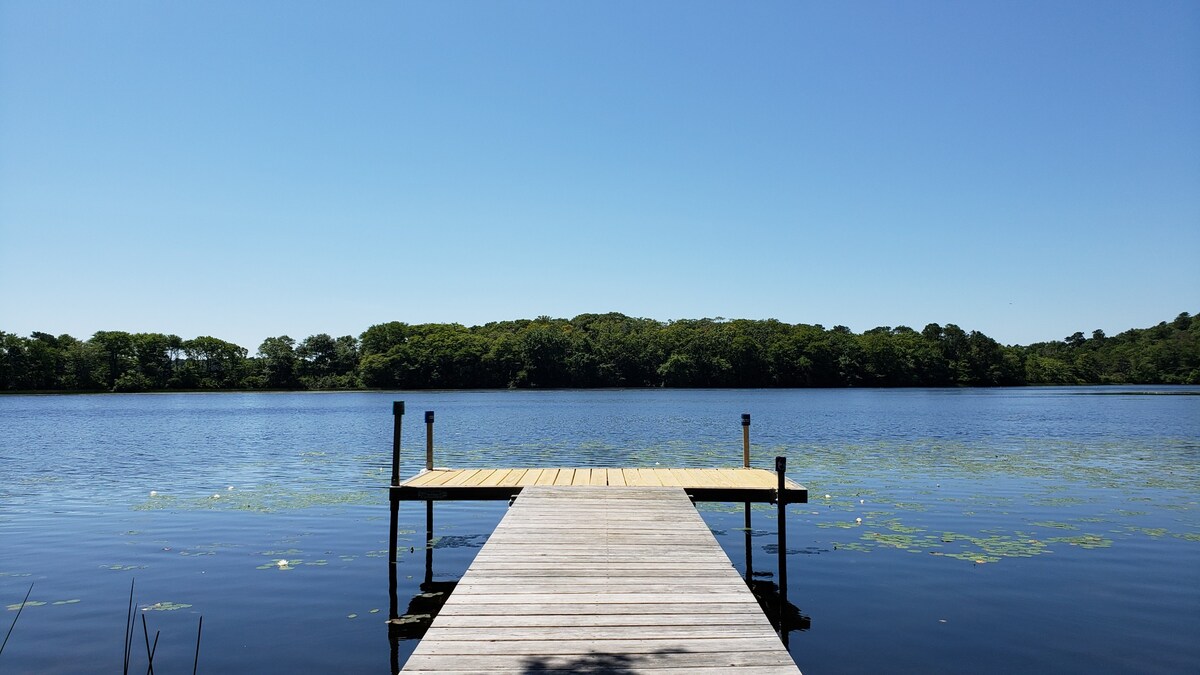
<point x="429" y="440"/>
<point x="746" y="465"/>
<point x="746" y="440"/>
<point x="393" y="498"/>
<point x="397" y="417"/>
<point x="781" y="505"/>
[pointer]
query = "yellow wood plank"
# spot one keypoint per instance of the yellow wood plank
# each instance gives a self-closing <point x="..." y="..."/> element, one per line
<point x="494" y="479"/>
<point x="463" y="476"/>
<point x="615" y="477"/>
<point x="647" y="478"/>
<point x="717" y="477"/>
<point x="678" y="477"/>
<point x="479" y="478"/>
<point x="669" y="477"/>
<point x="598" y="477"/>
<point x="565" y="476"/>
<point x="547" y="477"/>
<point x="764" y="479"/>
<point x="513" y="478"/>
<point x="442" y="476"/>
<point x="531" y="477"/>
<point x="421" y="478"/>
<point x="739" y="477"/>
<point x="694" y="478"/>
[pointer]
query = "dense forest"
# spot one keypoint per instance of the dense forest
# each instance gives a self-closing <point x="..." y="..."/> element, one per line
<point x="600" y="350"/>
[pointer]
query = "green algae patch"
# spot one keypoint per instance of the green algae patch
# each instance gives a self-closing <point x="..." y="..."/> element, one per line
<point x="267" y="498"/>
<point x="1089" y="541"/>
<point x="28" y="603"/>
<point x="902" y="541"/>
<point x="1055" y="524"/>
<point x="894" y="525"/>
<point x="852" y="546"/>
<point x="165" y="607"/>
<point x="844" y="524"/>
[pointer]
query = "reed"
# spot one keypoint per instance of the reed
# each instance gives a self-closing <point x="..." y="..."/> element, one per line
<point x="129" y="627"/>
<point x="14" y="623"/>
<point x="149" y="650"/>
<point x="199" y="630"/>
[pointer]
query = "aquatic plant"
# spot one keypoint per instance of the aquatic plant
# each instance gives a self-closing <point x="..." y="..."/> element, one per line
<point x="14" y="621"/>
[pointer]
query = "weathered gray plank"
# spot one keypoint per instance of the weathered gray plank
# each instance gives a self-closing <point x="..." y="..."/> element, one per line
<point x="651" y="606"/>
<point x="639" y="646"/>
<point x="591" y="619"/>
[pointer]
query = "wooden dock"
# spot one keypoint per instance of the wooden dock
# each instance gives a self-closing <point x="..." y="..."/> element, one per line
<point x="598" y="577"/>
<point x="727" y="485"/>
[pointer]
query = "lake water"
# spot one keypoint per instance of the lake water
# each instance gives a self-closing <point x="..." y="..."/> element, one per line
<point x="1002" y="530"/>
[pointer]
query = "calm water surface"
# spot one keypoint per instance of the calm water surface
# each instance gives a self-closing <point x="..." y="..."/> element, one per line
<point x="1028" y="530"/>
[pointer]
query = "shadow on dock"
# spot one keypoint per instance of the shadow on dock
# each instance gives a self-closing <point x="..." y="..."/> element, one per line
<point x="598" y="662"/>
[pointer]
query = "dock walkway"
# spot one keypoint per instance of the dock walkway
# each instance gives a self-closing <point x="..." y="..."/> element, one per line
<point x="601" y="579"/>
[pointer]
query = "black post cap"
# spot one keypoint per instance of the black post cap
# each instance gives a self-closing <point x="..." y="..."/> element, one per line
<point x="428" y="417"/>
<point x="745" y="419"/>
<point x="780" y="464"/>
<point x="397" y="407"/>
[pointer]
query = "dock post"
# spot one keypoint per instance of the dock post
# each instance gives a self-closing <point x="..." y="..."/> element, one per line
<point x="781" y="534"/>
<point x="746" y="440"/>
<point x="746" y="465"/>
<point x="393" y="534"/>
<point x="429" y="440"/>
<point x="397" y="417"/>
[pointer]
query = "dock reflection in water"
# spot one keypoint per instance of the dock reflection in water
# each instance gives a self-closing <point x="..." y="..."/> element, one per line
<point x="422" y="607"/>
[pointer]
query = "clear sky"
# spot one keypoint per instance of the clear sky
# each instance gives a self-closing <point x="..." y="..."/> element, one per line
<point x="253" y="169"/>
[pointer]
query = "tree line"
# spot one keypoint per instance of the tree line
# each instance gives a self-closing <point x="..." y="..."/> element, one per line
<point x="600" y="350"/>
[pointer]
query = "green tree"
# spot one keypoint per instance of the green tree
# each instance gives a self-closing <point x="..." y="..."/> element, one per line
<point x="120" y="357"/>
<point x="212" y="363"/>
<point x="278" y="358"/>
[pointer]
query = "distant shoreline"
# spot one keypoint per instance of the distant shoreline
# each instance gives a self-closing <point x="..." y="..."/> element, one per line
<point x="597" y="351"/>
<point x="101" y="392"/>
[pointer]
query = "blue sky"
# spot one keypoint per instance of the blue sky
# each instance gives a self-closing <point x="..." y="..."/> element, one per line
<point x="245" y="170"/>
